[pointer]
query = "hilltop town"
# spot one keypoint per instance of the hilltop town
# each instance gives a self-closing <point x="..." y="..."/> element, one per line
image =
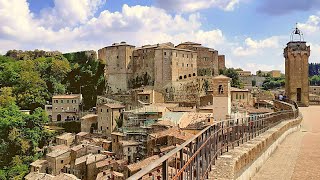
<point x="155" y="98"/>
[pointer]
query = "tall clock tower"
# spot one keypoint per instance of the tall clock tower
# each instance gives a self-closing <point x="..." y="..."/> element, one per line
<point x="296" y="56"/>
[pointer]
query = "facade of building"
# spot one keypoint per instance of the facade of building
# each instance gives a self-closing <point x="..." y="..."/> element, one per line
<point x="221" y="97"/>
<point x="207" y="58"/>
<point x="241" y="97"/>
<point x="244" y="73"/>
<point x="314" y="90"/>
<point x="127" y="67"/>
<point x="118" y="66"/>
<point x="108" y="115"/>
<point x="297" y="70"/>
<point x="66" y="107"/>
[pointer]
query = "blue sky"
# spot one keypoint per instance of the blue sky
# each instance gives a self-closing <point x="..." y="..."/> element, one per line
<point x="251" y="33"/>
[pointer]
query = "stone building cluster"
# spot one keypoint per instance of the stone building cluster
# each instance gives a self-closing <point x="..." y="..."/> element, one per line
<point x="128" y="67"/>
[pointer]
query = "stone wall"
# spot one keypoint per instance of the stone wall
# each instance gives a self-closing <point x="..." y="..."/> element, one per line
<point x="243" y="162"/>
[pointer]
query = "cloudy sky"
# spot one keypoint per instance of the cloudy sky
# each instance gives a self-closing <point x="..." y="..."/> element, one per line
<point x="251" y="33"/>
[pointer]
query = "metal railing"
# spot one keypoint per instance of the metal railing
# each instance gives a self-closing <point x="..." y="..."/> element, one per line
<point x="194" y="158"/>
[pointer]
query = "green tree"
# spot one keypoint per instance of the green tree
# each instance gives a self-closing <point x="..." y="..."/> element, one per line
<point x="32" y="90"/>
<point x="6" y="97"/>
<point x="232" y="73"/>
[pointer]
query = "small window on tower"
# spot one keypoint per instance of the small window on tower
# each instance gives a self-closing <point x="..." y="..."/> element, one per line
<point x="220" y="90"/>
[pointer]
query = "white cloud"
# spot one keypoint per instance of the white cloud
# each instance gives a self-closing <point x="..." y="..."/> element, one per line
<point x="137" y="25"/>
<point x="69" y="13"/>
<point x="252" y="47"/>
<point x="195" y="5"/>
<point x="311" y="26"/>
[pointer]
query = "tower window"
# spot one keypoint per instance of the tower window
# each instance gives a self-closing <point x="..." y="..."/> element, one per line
<point x="165" y="53"/>
<point x="180" y="77"/>
<point x="220" y="90"/>
<point x="185" y="76"/>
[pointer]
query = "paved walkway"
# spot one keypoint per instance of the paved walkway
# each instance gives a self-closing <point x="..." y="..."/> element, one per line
<point x="298" y="156"/>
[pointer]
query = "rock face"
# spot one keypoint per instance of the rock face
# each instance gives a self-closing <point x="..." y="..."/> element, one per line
<point x="297" y="71"/>
<point x="25" y="55"/>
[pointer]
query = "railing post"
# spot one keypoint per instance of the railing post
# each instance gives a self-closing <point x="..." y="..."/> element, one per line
<point x="181" y="162"/>
<point x="165" y="170"/>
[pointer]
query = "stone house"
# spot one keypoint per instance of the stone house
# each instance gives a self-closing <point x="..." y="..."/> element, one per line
<point x="108" y="115"/>
<point x="241" y="97"/>
<point x="66" y="139"/>
<point x="66" y="107"/>
<point x="89" y="123"/>
<point x="40" y="166"/>
<point x="57" y="160"/>
<point x="110" y="174"/>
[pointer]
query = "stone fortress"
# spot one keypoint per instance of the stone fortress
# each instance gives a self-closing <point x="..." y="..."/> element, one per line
<point x="181" y="72"/>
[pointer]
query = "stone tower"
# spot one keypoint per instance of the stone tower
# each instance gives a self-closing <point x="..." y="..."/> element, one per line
<point x="221" y="97"/>
<point x="296" y="56"/>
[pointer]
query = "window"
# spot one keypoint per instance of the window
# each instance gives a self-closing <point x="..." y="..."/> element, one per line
<point x="61" y="101"/>
<point x="165" y="53"/>
<point x="220" y="90"/>
<point x="185" y="76"/>
<point x="194" y="74"/>
<point x="128" y="149"/>
<point x="180" y="77"/>
<point x="101" y="110"/>
<point x="101" y="128"/>
<point x="189" y="75"/>
<point x="71" y="101"/>
<point x="107" y="110"/>
<point x="61" y="161"/>
<point x="75" y="101"/>
<point x="119" y="110"/>
<point x="129" y="57"/>
<point x="176" y="54"/>
<point x="187" y="55"/>
<point x="117" y="57"/>
<point x="107" y="127"/>
<point x="236" y="96"/>
<point x="187" y="65"/>
<point x="147" y="97"/>
<point x="67" y="101"/>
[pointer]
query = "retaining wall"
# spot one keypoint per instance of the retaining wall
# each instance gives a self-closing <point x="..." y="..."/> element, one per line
<point x="244" y="162"/>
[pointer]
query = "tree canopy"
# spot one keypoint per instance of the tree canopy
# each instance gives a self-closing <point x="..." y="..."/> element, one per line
<point x="232" y="73"/>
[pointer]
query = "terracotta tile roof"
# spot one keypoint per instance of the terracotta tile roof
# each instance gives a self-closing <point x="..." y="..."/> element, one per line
<point x="38" y="176"/>
<point x="238" y="90"/>
<point x="129" y="143"/>
<point x="57" y="153"/>
<point x="78" y="147"/>
<point x="137" y="166"/>
<point x="66" y="96"/>
<point x="221" y="77"/>
<point x="64" y="176"/>
<point x="114" y="106"/>
<point x="106" y="174"/>
<point x="105" y="162"/>
<point x="66" y="136"/>
<point x="174" y="132"/>
<point x="82" y="133"/>
<point x="89" y="116"/>
<point x="38" y="162"/>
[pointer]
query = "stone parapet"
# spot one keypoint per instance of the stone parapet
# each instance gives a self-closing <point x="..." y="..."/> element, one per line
<point x="244" y="161"/>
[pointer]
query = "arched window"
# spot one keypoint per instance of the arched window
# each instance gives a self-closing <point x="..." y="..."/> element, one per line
<point x="194" y="74"/>
<point x="185" y="76"/>
<point x="189" y="75"/>
<point x="220" y="90"/>
<point x="180" y="77"/>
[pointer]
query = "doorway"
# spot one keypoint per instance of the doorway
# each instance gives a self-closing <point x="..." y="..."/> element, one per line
<point x="298" y="94"/>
